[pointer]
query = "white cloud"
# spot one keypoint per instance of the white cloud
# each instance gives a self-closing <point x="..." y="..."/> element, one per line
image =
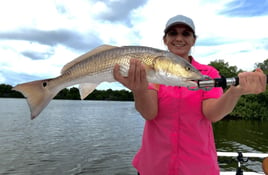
<point x="241" y="41"/>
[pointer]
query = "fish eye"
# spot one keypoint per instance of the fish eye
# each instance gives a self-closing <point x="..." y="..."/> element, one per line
<point x="187" y="68"/>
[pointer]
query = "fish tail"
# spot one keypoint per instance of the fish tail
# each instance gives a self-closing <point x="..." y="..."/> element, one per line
<point x="38" y="95"/>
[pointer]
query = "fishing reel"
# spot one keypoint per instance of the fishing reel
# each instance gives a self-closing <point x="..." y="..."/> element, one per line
<point x="240" y="160"/>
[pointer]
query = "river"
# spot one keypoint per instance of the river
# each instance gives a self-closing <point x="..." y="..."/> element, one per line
<point x="97" y="137"/>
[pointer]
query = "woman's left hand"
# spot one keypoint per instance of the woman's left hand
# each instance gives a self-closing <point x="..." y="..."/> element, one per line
<point x="251" y="82"/>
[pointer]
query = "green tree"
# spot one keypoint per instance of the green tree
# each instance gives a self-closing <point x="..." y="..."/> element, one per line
<point x="7" y="92"/>
<point x="63" y="94"/>
<point x="263" y="66"/>
<point x="73" y="94"/>
<point x="224" y="68"/>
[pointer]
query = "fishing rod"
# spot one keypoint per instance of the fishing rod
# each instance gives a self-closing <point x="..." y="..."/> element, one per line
<point x="207" y="83"/>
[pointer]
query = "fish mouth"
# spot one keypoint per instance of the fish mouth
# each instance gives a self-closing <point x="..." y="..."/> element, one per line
<point x="191" y="82"/>
<point x="196" y="78"/>
<point x="194" y="81"/>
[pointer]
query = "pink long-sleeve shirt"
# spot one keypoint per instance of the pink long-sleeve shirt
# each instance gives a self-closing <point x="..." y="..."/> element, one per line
<point x="180" y="140"/>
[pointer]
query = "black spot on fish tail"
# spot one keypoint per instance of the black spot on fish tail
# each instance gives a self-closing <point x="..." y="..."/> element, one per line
<point x="44" y="84"/>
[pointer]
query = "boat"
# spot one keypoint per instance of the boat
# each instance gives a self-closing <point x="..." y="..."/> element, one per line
<point x="242" y="158"/>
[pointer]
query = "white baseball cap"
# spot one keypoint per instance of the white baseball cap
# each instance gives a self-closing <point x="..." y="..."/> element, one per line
<point x="180" y="19"/>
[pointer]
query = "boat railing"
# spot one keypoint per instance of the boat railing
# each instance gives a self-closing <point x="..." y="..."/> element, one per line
<point x="242" y="158"/>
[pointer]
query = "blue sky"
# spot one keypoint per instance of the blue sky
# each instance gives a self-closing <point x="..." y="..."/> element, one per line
<point x="37" y="38"/>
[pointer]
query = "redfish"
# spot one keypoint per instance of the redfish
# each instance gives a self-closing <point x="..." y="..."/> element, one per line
<point x="96" y="66"/>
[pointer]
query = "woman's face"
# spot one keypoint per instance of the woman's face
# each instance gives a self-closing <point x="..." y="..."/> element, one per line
<point x="179" y="40"/>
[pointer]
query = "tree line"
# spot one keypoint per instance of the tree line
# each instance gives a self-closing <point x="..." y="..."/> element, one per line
<point x="73" y="94"/>
<point x="249" y="106"/>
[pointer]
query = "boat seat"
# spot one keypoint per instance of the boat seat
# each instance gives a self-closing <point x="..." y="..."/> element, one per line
<point x="265" y="165"/>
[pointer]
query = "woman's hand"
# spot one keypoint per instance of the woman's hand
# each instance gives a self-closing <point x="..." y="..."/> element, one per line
<point x="136" y="79"/>
<point x="145" y="99"/>
<point x="251" y="83"/>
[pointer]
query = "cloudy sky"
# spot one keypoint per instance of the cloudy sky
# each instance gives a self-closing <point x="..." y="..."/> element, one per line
<point x="37" y="38"/>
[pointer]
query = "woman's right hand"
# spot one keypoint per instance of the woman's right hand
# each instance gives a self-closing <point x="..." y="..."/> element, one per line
<point x="145" y="99"/>
<point x="136" y="80"/>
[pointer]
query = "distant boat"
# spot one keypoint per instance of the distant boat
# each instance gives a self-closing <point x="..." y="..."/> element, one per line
<point x="242" y="158"/>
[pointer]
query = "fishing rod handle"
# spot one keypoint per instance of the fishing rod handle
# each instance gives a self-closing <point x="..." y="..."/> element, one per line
<point x="235" y="81"/>
<point x="220" y="82"/>
<point x="224" y="82"/>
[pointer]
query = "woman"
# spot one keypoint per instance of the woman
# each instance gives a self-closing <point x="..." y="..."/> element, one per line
<point x="178" y="136"/>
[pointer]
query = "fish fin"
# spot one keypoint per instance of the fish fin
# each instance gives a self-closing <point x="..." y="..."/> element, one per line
<point x="86" y="55"/>
<point x="38" y="95"/>
<point x="85" y="89"/>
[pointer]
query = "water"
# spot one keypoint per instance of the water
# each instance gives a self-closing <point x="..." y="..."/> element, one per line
<point x="243" y="136"/>
<point x="69" y="137"/>
<point x="96" y="137"/>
